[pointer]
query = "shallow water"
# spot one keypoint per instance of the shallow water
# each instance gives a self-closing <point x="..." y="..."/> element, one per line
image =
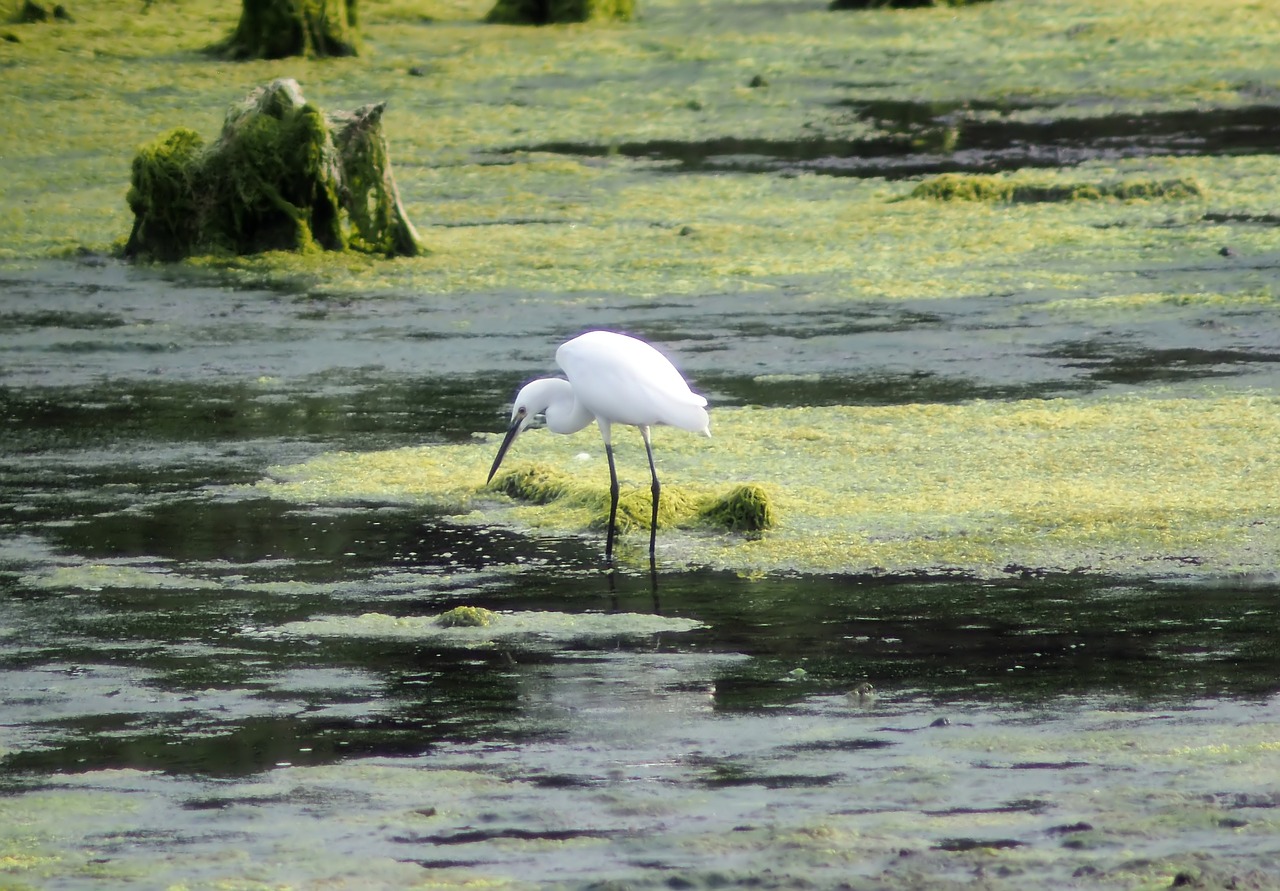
<point x="245" y="680"/>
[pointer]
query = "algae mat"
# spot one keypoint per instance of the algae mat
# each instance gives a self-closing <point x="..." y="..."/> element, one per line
<point x="1119" y="485"/>
<point x="575" y="160"/>
<point x="653" y="792"/>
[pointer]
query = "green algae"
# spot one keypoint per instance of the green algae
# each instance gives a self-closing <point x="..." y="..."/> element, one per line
<point x="467" y="617"/>
<point x="1071" y="782"/>
<point x="104" y="576"/>
<point x="744" y="508"/>
<point x="611" y="225"/>
<point x="535" y="483"/>
<point x="965" y="187"/>
<point x="1154" y="485"/>
<point x="546" y="626"/>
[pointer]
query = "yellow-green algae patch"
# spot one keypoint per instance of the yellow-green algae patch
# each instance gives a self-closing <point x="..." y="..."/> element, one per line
<point x="81" y="98"/>
<point x="503" y="624"/>
<point x="99" y="576"/>
<point x="969" y="187"/>
<point x="1127" y="484"/>
<point x="466" y="617"/>
<point x="744" y="508"/>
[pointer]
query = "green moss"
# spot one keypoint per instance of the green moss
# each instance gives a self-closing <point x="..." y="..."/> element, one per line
<point x="269" y="183"/>
<point x="277" y="29"/>
<point x="635" y="509"/>
<point x="163" y="193"/>
<point x="746" y="508"/>
<point x="277" y="172"/>
<point x="467" y="617"/>
<point x="535" y="483"/>
<point x="550" y="12"/>
<point x="1133" y="190"/>
<point x="379" y="224"/>
<point x="277" y="179"/>
<point x="969" y="187"/>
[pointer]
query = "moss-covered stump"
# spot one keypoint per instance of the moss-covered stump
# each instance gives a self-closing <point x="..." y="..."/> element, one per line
<point x="277" y="29"/>
<point x="33" y="13"/>
<point x="745" y="508"/>
<point x="280" y="176"/>
<point x="551" y="12"/>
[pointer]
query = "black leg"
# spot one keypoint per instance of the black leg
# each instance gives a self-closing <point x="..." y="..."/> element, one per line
<point x="613" y="503"/>
<point x="653" y="524"/>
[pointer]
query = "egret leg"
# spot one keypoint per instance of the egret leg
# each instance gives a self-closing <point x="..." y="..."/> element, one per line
<point x="613" y="495"/>
<point x="653" y="471"/>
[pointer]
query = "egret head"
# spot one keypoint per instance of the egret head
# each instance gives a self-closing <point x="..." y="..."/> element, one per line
<point x="533" y="399"/>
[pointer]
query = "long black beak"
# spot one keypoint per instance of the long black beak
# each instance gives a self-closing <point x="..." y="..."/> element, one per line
<point x="506" y="444"/>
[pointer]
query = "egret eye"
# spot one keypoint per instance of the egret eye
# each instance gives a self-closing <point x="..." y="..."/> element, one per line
<point x="522" y="411"/>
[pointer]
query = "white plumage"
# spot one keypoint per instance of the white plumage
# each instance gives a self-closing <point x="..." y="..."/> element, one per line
<point x="612" y="379"/>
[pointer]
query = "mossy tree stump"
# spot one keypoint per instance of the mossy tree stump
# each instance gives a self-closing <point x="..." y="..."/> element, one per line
<point x="551" y="12"/>
<point x="277" y="29"/>
<point x="281" y="176"/>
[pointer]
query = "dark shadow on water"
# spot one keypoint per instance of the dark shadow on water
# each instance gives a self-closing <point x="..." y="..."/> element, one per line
<point x="397" y="411"/>
<point x="1122" y="363"/>
<point x="920" y="138"/>
<point x="880" y="388"/>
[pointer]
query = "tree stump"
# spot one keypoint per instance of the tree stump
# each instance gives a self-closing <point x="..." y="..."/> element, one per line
<point x="280" y="176"/>
<point x="550" y="12"/>
<point x="277" y="29"/>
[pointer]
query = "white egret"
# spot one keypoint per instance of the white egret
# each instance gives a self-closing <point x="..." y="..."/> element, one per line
<point x="613" y="379"/>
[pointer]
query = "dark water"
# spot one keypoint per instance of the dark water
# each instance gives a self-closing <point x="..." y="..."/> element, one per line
<point x="131" y="405"/>
<point x="919" y="138"/>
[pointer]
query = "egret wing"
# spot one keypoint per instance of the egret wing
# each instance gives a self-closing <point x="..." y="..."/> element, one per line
<point x="627" y="381"/>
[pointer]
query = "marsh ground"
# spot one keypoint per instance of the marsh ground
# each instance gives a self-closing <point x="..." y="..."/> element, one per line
<point x="1023" y="454"/>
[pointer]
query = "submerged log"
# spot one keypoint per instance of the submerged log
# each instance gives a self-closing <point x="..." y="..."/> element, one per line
<point x="280" y="176"/>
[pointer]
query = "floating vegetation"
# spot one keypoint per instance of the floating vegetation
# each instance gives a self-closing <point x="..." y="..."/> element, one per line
<point x="745" y="508"/>
<point x="677" y="76"/>
<point x="676" y="507"/>
<point x="114" y="576"/>
<point x="973" y="187"/>
<point x="467" y="617"/>
<point x="1156" y="485"/>
<point x="535" y="483"/>
<point x="547" y="626"/>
